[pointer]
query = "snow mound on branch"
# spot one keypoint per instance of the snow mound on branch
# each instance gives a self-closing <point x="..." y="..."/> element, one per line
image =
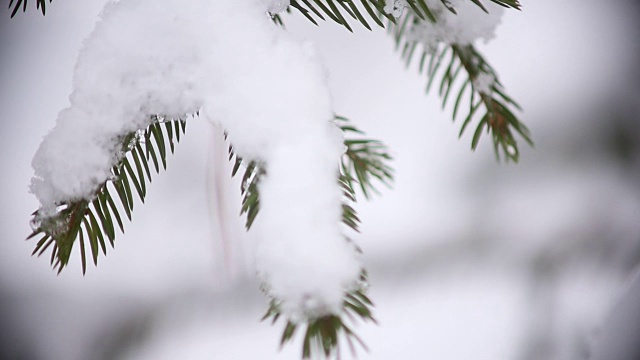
<point x="227" y="59"/>
<point x="469" y="24"/>
<point x="395" y="7"/>
<point x="277" y="6"/>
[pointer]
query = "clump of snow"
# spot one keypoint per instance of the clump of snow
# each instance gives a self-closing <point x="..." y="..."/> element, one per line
<point x="277" y="6"/>
<point x="470" y="23"/>
<point x="483" y="83"/>
<point x="395" y="7"/>
<point x="269" y="91"/>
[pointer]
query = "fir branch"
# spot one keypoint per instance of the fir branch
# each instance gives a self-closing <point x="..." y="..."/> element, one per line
<point x="498" y="119"/>
<point x="322" y="335"/>
<point x="95" y="220"/>
<point x="493" y="107"/>
<point x="364" y="158"/>
<point x="363" y="161"/>
<point x="340" y="10"/>
<point x="459" y="69"/>
<point x="371" y="11"/>
<point x="367" y="159"/>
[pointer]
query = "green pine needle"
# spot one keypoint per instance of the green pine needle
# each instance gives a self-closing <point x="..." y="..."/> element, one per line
<point x="323" y="334"/>
<point x="447" y="64"/>
<point x="364" y="162"/>
<point x="94" y="220"/>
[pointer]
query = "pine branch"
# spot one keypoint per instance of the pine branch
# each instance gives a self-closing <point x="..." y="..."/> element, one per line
<point x="322" y="335"/>
<point x="364" y="158"/>
<point x="371" y="11"/>
<point x="340" y="10"/>
<point x="91" y="223"/>
<point x="95" y="220"/>
<point x="491" y="105"/>
<point x="368" y="160"/>
<point x="498" y="119"/>
<point x="488" y="102"/>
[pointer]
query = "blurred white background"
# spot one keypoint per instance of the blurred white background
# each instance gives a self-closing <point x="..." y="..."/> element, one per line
<point x="468" y="259"/>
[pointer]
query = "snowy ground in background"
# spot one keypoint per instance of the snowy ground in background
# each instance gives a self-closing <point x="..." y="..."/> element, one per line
<point x="468" y="259"/>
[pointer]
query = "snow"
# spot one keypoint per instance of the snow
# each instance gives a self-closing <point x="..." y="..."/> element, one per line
<point x="483" y="83"/>
<point x="276" y="6"/>
<point x="266" y="89"/>
<point x="395" y="7"/>
<point x="469" y="24"/>
<point x="427" y="242"/>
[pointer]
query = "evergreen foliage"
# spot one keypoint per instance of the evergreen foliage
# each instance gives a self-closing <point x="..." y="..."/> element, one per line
<point x="368" y="159"/>
<point x="95" y="220"/>
<point x="374" y="10"/>
<point x="494" y="108"/>
<point x="365" y="161"/>
<point x="322" y="334"/>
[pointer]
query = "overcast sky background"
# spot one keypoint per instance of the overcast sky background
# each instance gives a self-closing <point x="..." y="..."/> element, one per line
<point x="468" y="259"/>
